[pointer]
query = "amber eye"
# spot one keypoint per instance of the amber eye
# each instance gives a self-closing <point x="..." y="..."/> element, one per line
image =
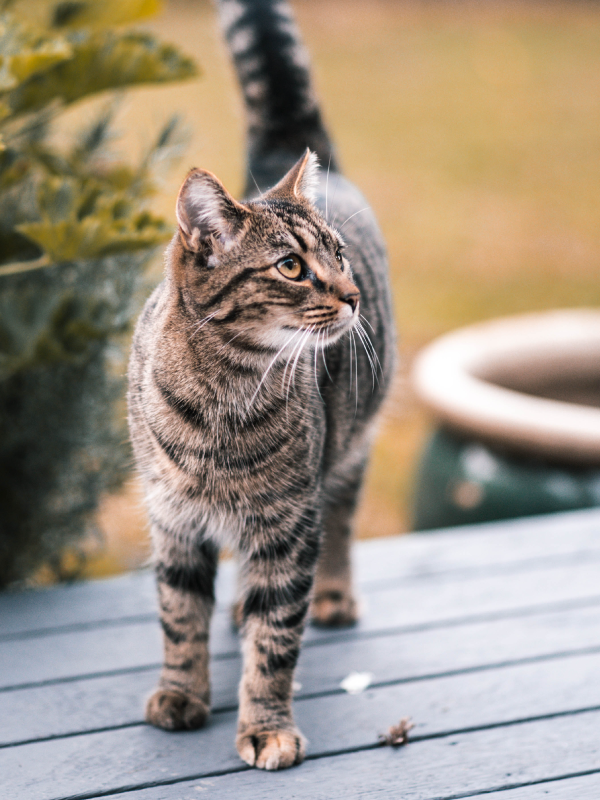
<point x="290" y="267"/>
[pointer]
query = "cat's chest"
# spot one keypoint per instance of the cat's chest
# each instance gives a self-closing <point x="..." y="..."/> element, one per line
<point x="221" y="457"/>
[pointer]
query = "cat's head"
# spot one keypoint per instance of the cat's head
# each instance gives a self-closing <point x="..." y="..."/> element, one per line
<point x="272" y="268"/>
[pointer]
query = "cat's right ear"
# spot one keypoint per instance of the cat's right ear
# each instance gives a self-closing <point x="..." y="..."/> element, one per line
<point x="205" y="209"/>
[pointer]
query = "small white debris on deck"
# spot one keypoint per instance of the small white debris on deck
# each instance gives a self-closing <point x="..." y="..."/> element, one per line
<point x="356" y="682"/>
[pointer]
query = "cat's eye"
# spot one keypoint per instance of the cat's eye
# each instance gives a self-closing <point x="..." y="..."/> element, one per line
<point x="290" y="267"/>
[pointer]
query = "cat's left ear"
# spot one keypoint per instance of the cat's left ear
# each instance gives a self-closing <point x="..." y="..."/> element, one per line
<point x="301" y="181"/>
<point x="206" y="209"/>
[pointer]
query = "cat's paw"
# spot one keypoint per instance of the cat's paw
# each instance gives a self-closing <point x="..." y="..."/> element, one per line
<point x="175" y="711"/>
<point x="276" y="749"/>
<point x="333" y="609"/>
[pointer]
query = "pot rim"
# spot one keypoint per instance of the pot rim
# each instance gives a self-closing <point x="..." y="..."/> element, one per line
<point x="457" y="378"/>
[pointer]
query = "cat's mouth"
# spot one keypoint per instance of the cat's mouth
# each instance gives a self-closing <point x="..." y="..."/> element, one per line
<point x="295" y="336"/>
<point x="332" y="331"/>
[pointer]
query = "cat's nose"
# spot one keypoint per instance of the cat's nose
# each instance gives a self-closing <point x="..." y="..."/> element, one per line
<point x="352" y="299"/>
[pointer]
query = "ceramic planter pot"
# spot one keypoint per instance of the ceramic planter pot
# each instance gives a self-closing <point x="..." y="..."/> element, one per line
<point x="517" y="401"/>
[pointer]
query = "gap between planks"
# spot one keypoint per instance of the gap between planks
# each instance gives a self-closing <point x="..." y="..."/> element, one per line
<point x="485" y="549"/>
<point x="399" y="610"/>
<point x="351" y="636"/>
<point x="520" y="695"/>
<point x="326" y="760"/>
<point x="338" y="692"/>
<point x="368" y="587"/>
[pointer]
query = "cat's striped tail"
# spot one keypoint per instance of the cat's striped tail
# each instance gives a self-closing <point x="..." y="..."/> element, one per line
<point x="272" y="67"/>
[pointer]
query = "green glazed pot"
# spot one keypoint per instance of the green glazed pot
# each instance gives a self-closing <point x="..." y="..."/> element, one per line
<point x="517" y="402"/>
<point x="462" y="481"/>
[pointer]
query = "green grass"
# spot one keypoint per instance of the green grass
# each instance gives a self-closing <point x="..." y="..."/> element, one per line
<point x="473" y="129"/>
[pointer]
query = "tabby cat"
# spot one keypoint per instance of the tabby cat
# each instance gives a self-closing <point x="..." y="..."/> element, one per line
<point x="253" y="391"/>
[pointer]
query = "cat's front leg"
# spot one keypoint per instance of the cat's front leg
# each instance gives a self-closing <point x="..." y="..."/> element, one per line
<point x="186" y="598"/>
<point x="275" y="603"/>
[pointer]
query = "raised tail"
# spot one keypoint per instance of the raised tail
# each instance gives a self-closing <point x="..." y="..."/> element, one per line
<point x="273" y="70"/>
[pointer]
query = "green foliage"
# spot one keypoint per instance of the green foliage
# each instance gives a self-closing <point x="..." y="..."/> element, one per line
<point x="75" y="235"/>
<point x="80" y="220"/>
<point x="98" y="61"/>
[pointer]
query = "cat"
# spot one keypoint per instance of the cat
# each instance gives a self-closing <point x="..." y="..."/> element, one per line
<point x="253" y="393"/>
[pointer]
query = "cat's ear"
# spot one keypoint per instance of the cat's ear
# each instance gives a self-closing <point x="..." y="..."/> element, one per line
<point x="301" y="181"/>
<point x="205" y="208"/>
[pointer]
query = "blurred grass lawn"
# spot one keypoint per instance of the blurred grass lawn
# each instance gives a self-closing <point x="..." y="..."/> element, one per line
<point x="474" y="131"/>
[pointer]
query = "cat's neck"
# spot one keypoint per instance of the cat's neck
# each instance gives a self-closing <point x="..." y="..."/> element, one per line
<point x="237" y="378"/>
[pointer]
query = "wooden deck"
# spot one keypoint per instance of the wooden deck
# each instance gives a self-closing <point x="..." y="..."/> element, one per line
<point x="488" y="637"/>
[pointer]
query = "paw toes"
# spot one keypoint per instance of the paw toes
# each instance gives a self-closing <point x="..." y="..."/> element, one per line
<point x="334" y="609"/>
<point x="271" y="749"/>
<point x="175" y="711"/>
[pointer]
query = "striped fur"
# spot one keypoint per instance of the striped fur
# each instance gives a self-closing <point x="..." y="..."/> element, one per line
<point x="254" y="387"/>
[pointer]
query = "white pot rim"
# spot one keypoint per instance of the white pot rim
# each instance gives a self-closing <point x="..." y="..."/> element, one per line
<point x="456" y="376"/>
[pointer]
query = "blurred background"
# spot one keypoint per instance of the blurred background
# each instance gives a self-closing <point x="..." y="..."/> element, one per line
<point x="474" y="131"/>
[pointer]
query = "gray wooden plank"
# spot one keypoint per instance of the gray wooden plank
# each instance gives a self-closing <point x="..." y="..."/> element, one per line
<point x="72" y="707"/>
<point x="118" y="699"/>
<point x="584" y="787"/>
<point x="452" y="703"/>
<point x="456" y="766"/>
<point x="448" y="600"/>
<point x="136" y="645"/>
<point x="107" y="760"/>
<point x="32" y="610"/>
<point x="492" y="546"/>
<point x="64" y="655"/>
<point x="437" y="706"/>
<point x="451" y="766"/>
<point x="126" y="597"/>
<point x="532" y="543"/>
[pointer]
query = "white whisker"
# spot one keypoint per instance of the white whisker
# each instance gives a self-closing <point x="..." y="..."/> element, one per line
<point x="260" y="194"/>
<point x="362" y="316"/>
<point x="325" y="364"/>
<point x="202" y="323"/>
<point x="316" y="357"/>
<point x="268" y="369"/>
<point x="305" y="338"/>
<point x="370" y="344"/>
<point x="360" y="335"/>
<point x="291" y="356"/>
<point x="337" y="183"/>
<point x="226" y="345"/>
<point x="303" y="341"/>
<point x="366" y="208"/>
<point x="350" y="349"/>
<point x="355" y="371"/>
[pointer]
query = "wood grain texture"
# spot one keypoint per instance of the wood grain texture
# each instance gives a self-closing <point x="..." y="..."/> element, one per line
<point x="527" y="543"/>
<point x="449" y="601"/>
<point x="438" y="706"/>
<point x="461" y="765"/>
<point x="516" y="545"/>
<point x="584" y="787"/>
<point x="89" y="704"/>
<point x="39" y="612"/>
<point x="495" y="660"/>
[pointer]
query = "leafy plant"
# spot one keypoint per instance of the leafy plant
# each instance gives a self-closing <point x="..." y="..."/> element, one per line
<point x="75" y="235"/>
